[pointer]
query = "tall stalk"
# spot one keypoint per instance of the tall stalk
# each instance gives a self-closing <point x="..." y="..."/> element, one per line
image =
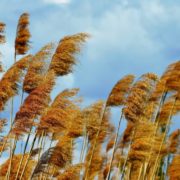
<point x="84" y="143"/>
<point x="114" y="146"/>
<point x="164" y="136"/>
<point x="24" y="152"/>
<point x="28" y="157"/>
<point x="41" y="144"/>
<point x="11" y="159"/>
<point x="83" y="148"/>
<point x="140" y="172"/>
<point x="12" y="146"/>
<point x="161" y="102"/>
<point x="124" y="165"/>
<point x="11" y="120"/>
<point x="11" y="124"/>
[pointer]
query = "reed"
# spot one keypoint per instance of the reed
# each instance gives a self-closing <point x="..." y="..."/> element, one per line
<point x="148" y="105"/>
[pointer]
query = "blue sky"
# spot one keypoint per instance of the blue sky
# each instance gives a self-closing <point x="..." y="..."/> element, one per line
<point x="128" y="36"/>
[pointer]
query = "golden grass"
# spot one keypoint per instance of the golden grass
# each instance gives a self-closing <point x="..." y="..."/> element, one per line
<point x="54" y="126"/>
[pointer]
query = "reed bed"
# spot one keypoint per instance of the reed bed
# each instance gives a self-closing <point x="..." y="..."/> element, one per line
<point x="40" y="139"/>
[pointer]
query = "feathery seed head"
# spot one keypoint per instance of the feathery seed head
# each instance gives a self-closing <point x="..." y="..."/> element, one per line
<point x="64" y="57"/>
<point x="22" y="35"/>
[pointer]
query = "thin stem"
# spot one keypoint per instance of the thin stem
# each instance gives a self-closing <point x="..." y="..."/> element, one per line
<point x="161" y="102"/>
<point x="28" y="158"/>
<point x="129" y="172"/>
<point x="11" y="158"/>
<point x="114" y="146"/>
<point x="84" y="145"/>
<point x="12" y="112"/>
<point x="12" y="122"/>
<point x="140" y="171"/>
<point x="24" y="152"/>
<point x="164" y="136"/>
<point x="39" y="152"/>
<point x="168" y="162"/>
<point x="124" y="165"/>
<point x="163" y="98"/>
<point x="41" y="145"/>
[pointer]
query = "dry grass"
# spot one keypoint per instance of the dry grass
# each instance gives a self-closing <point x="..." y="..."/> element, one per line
<point x="53" y="127"/>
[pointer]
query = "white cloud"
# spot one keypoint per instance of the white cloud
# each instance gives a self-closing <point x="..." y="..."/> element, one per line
<point x="57" y="1"/>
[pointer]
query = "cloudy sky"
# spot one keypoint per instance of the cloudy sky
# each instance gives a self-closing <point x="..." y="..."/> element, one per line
<point x="127" y="36"/>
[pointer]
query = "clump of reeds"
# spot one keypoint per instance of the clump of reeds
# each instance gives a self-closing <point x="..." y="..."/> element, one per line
<point x="33" y="106"/>
<point x="53" y="127"/>
<point x="15" y="163"/>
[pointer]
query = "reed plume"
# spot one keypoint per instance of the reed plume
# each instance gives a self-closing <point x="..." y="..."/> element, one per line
<point x="64" y="57"/>
<point x="9" y="84"/>
<point x="2" y="40"/>
<point x="3" y="123"/>
<point x="138" y="98"/>
<point x="92" y="117"/>
<point x="59" y="156"/>
<point x="22" y="35"/>
<point x="174" y="141"/>
<point x="141" y="142"/>
<point x="174" y="168"/>
<point x="168" y="82"/>
<point x="60" y="114"/>
<point x="33" y="106"/>
<point x="76" y="126"/>
<point x="118" y="94"/>
<point x="62" y="152"/>
<point x="168" y="106"/>
<point x="38" y="68"/>
<point x="4" y="145"/>
<point x="173" y="80"/>
<point x="2" y="36"/>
